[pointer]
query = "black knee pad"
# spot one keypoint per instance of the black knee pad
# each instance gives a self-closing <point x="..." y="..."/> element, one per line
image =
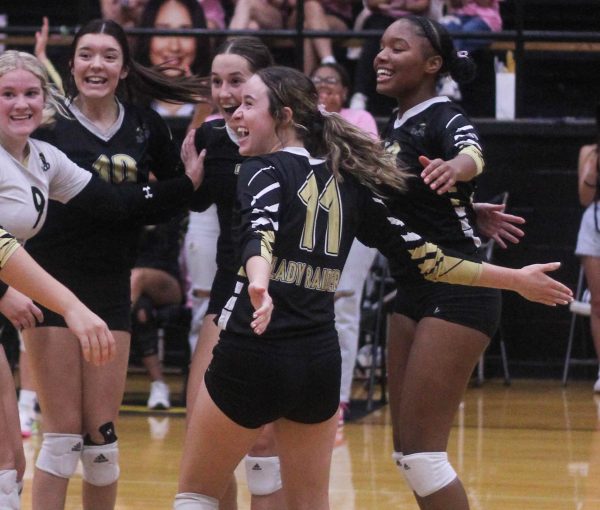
<point x="144" y="329"/>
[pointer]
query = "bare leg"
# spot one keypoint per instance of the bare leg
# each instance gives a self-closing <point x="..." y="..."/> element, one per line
<point x="11" y="445"/>
<point x="103" y="389"/>
<point x="60" y="395"/>
<point x="266" y="446"/>
<point x="440" y="361"/>
<point x="305" y="453"/>
<point x="255" y="14"/>
<point x="207" y="339"/>
<point x="214" y="446"/>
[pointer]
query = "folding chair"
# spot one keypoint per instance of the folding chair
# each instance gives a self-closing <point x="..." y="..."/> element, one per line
<point x="580" y="307"/>
<point x="489" y="255"/>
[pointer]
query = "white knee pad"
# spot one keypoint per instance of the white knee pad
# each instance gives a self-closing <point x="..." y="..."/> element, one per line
<point x="59" y="454"/>
<point x="263" y="475"/>
<point x="101" y="463"/>
<point x="9" y="490"/>
<point x="427" y="472"/>
<point x="193" y="501"/>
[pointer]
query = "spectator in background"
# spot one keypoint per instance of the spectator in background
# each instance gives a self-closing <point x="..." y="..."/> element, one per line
<point x="126" y="13"/>
<point x="321" y="15"/>
<point x="257" y="14"/>
<point x="382" y="14"/>
<point x="155" y="283"/>
<point x="464" y="16"/>
<point x="472" y="16"/>
<point x="318" y="15"/>
<point x="176" y="54"/>
<point x="588" y="240"/>
<point x="333" y="84"/>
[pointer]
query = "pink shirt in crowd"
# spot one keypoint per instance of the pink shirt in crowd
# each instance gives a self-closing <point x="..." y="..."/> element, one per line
<point x="491" y="15"/>
<point x="213" y="10"/>
<point x="361" y="119"/>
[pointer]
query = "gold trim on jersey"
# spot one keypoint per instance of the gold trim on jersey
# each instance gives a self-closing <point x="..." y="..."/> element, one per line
<point x="437" y="267"/>
<point x="475" y="154"/>
<point x="8" y="245"/>
<point x="267" y="240"/>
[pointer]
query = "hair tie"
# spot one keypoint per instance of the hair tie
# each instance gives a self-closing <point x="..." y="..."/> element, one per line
<point x="462" y="54"/>
<point x="323" y="111"/>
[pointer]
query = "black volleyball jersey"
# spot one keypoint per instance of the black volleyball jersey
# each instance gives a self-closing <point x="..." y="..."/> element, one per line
<point x="221" y="167"/>
<point x="436" y="128"/>
<point x="302" y="220"/>
<point x="139" y="142"/>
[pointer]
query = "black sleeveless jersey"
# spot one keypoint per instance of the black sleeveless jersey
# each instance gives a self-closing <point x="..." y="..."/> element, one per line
<point x="221" y="168"/>
<point x="71" y="239"/>
<point x="436" y="128"/>
<point x="302" y="220"/>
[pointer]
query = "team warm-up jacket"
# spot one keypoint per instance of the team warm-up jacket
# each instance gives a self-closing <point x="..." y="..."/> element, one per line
<point x="302" y="220"/>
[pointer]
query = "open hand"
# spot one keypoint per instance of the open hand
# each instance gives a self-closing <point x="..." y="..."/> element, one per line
<point x="194" y="162"/>
<point x="440" y="175"/>
<point x="263" y="307"/>
<point x="495" y="224"/>
<point x="535" y="285"/>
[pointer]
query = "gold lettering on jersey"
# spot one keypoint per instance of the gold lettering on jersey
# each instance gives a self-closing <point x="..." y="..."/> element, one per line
<point x="309" y="194"/>
<point x="279" y="274"/>
<point x="301" y="274"/>
<point x="329" y="200"/>
<point x="116" y="169"/>
<point x="295" y="272"/>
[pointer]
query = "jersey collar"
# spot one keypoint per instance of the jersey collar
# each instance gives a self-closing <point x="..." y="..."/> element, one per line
<point x="421" y="107"/>
<point x="301" y="151"/>
<point x="92" y="128"/>
<point x="231" y="133"/>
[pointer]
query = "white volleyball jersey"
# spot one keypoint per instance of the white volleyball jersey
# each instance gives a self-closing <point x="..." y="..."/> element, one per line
<point x="25" y="190"/>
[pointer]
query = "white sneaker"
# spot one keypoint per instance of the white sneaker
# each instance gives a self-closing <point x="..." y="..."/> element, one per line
<point x="159" y="396"/>
<point x="597" y="385"/>
<point x="358" y="101"/>
<point x="28" y="419"/>
<point x="448" y="87"/>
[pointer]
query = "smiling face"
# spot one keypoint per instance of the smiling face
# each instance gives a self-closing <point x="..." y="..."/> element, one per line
<point x="256" y="128"/>
<point x="229" y="73"/>
<point x="21" y="106"/>
<point x="405" y="65"/>
<point x="173" y="51"/>
<point x="97" y="66"/>
<point x="332" y="94"/>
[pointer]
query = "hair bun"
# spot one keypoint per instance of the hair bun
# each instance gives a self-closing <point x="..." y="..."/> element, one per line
<point x="462" y="67"/>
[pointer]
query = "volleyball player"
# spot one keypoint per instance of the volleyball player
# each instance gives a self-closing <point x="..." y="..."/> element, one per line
<point x="438" y="332"/>
<point x="19" y="270"/>
<point x="278" y="359"/>
<point x="235" y="61"/>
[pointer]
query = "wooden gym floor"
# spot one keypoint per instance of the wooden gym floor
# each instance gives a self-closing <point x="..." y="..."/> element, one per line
<point x="531" y="446"/>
